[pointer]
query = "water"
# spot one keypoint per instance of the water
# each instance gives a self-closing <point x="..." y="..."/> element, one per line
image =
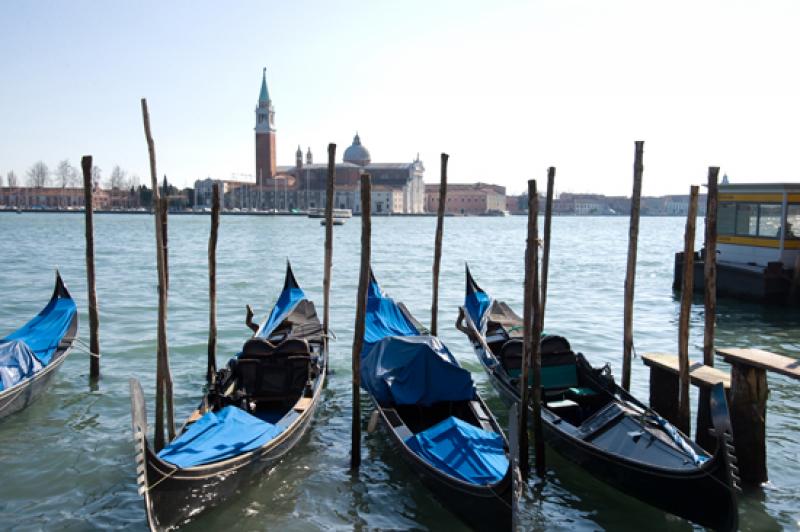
<point x="67" y="461"/>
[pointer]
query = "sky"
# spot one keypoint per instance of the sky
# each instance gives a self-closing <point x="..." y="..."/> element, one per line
<point x="506" y="88"/>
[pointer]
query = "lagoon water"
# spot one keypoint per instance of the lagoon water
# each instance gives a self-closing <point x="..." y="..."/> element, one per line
<point x="66" y="462"/>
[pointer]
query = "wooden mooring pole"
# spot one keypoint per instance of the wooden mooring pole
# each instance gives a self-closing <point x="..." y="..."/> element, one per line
<point x="361" y="312"/>
<point x="702" y="435"/>
<point x="630" y="273"/>
<point x="437" y="248"/>
<point x="212" y="287"/>
<point x="163" y="377"/>
<point x="537" y="297"/>
<point x="683" y="422"/>
<point x="94" y="319"/>
<point x="548" y="219"/>
<point x="326" y="278"/>
<point x="527" y="318"/>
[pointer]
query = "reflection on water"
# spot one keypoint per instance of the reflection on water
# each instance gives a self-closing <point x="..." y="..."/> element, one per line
<point x="80" y="473"/>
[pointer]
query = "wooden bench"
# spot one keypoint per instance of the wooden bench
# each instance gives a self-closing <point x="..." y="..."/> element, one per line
<point x="664" y="384"/>
<point x="749" y="392"/>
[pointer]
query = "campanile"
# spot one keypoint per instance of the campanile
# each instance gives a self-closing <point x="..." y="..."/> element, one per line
<point x="265" y="135"/>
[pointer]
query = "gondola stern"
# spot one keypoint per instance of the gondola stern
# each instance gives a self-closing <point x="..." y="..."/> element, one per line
<point x="290" y="281"/>
<point x="472" y="286"/>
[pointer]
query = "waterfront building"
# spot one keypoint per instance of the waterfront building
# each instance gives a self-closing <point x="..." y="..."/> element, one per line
<point x="65" y="198"/>
<point x="468" y="198"/>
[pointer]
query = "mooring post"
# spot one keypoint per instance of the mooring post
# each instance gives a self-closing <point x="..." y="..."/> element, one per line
<point x="437" y="248"/>
<point x="326" y="279"/>
<point x="687" y="290"/>
<point x="749" y="392"/>
<point x="527" y="318"/>
<point x="536" y="359"/>
<point x="630" y="273"/>
<point x="94" y="319"/>
<point x="702" y="435"/>
<point x="361" y="312"/>
<point x="548" y="218"/>
<point x="795" y="279"/>
<point x="212" y="287"/>
<point x="162" y="364"/>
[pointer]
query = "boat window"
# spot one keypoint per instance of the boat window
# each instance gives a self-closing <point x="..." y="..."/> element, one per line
<point x="793" y="220"/>
<point x="747" y="219"/>
<point x="769" y="220"/>
<point x="726" y="218"/>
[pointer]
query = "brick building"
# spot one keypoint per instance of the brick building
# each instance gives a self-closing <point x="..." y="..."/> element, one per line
<point x="470" y="198"/>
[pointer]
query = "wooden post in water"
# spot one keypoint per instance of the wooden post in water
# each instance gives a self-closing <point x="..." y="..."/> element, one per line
<point x="212" y="287"/>
<point x="94" y="319"/>
<point x="630" y="274"/>
<point x="361" y="312"/>
<point x="437" y="248"/>
<point x="326" y="279"/>
<point x="527" y="318"/>
<point x="548" y="218"/>
<point x="535" y="342"/>
<point x="702" y="435"/>
<point x="162" y="364"/>
<point x="683" y="422"/>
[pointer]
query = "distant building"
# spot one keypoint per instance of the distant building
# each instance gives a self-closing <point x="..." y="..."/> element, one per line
<point x="471" y="198"/>
<point x="67" y="198"/>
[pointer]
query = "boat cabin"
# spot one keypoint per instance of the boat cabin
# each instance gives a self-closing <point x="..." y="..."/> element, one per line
<point x="758" y="224"/>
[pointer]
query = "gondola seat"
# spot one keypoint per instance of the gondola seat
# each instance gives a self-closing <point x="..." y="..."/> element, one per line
<point x="279" y="373"/>
<point x="559" y="368"/>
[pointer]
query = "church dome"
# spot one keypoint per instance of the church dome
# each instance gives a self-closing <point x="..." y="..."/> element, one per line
<point x="356" y="153"/>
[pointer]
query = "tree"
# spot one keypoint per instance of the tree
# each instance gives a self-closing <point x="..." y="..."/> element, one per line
<point x="1" y="180"/>
<point x="38" y="175"/>
<point x="97" y="175"/>
<point x="11" y="178"/>
<point x="118" y="179"/>
<point x="64" y="173"/>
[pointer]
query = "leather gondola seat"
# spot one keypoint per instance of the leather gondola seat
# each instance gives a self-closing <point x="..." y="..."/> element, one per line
<point x="266" y="372"/>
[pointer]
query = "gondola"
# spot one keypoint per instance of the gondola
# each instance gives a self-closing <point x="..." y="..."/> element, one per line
<point x="434" y="416"/>
<point x="31" y="355"/>
<point x="256" y="411"/>
<point x="593" y="422"/>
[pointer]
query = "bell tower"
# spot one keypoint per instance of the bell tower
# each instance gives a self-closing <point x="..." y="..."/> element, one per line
<point x="265" y="135"/>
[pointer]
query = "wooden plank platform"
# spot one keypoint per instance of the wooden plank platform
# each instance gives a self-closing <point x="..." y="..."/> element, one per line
<point x="302" y="404"/>
<point x="699" y="373"/>
<point x="759" y="358"/>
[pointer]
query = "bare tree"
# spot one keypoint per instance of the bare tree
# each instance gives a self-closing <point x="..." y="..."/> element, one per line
<point x="74" y="179"/>
<point x="64" y="173"/>
<point x="134" y="181"/>
<point x="38" y="175"/>
<point x="1" y="180"/>
<point x="118" y="179"/>
<point x="97" y="175"/>
<point x="11" y="178"/>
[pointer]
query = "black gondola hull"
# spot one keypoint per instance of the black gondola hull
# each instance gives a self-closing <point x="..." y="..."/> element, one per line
<point x="174" y="496"/>
<point x="702" y="496"/>
<point x="481" y="507"/>
<point x="24" y="393"/>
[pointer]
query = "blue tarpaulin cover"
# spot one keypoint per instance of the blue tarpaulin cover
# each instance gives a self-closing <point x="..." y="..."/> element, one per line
<point x="17" y="362"/>
<point x="383" y="318"/>
<point x="477" y="303"/>
<point x="414" y="370"/>
<point x="41" y="336"/>
<point x="46" y="329"/>
<point x="218" y="436"/>
<point x="462" y="450"/>
<point x="291" y="295"/>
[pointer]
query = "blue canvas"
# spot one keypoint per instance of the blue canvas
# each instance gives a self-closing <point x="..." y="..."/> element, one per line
<point x="17" y="362"/>
<point x="463" y="451"/>
<point x="291" y="295"/>
<point x="477" y="303"/>
<point x="44" y="332"/>
<point x="383" y="318"/>
<point x="218" y="436"/>
<point x="414" y="370"/>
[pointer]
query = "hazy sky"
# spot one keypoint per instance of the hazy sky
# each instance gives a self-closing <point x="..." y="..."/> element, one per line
<point x="506" y="88"/>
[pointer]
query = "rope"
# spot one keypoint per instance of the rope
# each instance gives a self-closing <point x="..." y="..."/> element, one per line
<point x="84" y="347"/>
<point x="162" y="479"/>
